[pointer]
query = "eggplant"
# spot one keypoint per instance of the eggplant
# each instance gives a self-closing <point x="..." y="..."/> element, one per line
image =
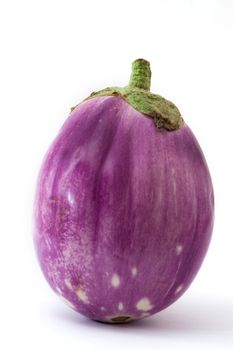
<point x="124" y="205"/>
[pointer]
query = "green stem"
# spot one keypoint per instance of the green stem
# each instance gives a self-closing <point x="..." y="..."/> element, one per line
<point x="140" y="75"/>
<point x="137" y="94"/>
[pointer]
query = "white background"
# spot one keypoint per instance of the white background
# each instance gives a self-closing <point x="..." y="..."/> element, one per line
<point x="52" y="55"/>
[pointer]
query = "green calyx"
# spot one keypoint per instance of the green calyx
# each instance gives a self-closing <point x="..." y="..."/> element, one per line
<point x="165" y="114"/>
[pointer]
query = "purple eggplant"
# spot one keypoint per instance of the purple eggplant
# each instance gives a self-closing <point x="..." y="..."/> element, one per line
<point x="124" y="204"/>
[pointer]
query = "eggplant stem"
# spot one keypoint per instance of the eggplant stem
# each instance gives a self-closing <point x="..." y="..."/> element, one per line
<point x="141" y="75"/>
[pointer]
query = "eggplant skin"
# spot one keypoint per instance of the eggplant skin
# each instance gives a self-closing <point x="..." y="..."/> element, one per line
<point x="123" y="212"/>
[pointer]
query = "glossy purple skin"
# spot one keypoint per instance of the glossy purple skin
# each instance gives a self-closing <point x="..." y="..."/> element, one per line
<point x="123" y="212"/>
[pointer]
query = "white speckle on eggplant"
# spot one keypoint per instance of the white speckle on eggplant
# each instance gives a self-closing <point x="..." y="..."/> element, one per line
<point x="120" y="306"/>
<point x="82" y="295"/>
<point x="179" y="289"/>
<point x="144" y="304"/>
<point x="115" y="281"/>
<point x="68" y="283"/>
<point x="179" y="249"/>
<point x="134" y="271"/>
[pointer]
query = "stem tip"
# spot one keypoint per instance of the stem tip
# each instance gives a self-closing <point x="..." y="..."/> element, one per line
<point x="140" y="75"/>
